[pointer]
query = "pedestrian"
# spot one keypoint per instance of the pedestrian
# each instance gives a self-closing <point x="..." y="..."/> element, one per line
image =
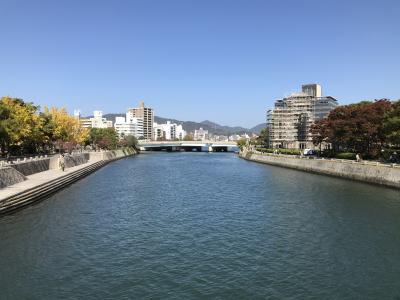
<point x="61" y="162"/>
<point x="358" y="157"/>
<point x="393" y="157"/>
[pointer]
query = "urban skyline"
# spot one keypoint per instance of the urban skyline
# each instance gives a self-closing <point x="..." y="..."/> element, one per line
<point x="167" y="55"/>
<point x="117" y="180"/>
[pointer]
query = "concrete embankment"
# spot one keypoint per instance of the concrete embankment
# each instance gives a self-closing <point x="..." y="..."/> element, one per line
<point x="371" y="172"/>
<point x="42" y="184"/>
<point x="17" y="171"/>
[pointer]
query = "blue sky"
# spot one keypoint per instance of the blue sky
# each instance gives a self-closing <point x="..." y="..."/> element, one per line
<point x="226" y="61"/>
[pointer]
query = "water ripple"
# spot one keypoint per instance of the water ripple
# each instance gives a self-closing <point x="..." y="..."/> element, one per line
<point x="204" y="226"/>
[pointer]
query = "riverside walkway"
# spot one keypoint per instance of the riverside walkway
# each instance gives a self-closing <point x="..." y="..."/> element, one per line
<point x="44" y="183"/>
<point x="39" y="179"/>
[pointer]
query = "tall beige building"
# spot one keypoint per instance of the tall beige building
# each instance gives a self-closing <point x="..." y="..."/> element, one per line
<point x="147" y="115"/>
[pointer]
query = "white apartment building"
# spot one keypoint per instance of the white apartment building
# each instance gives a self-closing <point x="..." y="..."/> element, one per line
<point x="97" y="121"/>
<point x="237" y="137"/>
<point x="129" y="125"/>
<point x="200" y="134"/>
<point x="180" y="132"/>
<point x="168" y="131"/>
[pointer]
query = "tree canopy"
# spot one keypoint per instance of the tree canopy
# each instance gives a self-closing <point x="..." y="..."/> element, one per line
<point x="104" y="138"/>
<point x="391" y="125"/>
<point x="365" y="127"/>
<point x="25" y="129"/>
<point x="263" y="138"/>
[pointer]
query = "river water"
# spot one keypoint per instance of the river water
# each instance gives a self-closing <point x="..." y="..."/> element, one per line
<point x="204" y="226"/>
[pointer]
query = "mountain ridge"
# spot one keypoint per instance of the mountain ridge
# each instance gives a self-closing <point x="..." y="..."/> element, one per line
<point x="190" y="126"/>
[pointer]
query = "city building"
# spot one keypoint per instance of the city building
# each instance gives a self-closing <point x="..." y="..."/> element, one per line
<point x="77" y="114"/>
<point x="237" y="137"/>
<point x="97" y="121"/>
<point x="125" y="126"/>
<point x="168" y="131"/>
<point x="219" y="138"/>
<point x="290" y="121"/>
<point x="312" y="89"/>
<point x="147" y="115"/>
<point x="200" y="134"/>
<point x="180" y="132"/>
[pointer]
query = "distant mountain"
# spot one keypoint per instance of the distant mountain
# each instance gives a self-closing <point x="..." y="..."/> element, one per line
<point x="257" y="129"/>
<point x="212" y="127"/>
<point x="191" y="126"/>
<point x="110" y="116"/>
<point x="215" y="126"/>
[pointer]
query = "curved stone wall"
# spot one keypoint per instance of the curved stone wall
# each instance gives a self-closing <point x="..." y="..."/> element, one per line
<point x="363" y="171"/>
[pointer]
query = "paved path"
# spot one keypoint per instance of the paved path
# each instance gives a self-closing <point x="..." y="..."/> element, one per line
<point x="38" y="179"/>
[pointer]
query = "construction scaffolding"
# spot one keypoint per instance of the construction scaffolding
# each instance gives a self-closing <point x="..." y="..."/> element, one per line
<point x="290" y="121"/>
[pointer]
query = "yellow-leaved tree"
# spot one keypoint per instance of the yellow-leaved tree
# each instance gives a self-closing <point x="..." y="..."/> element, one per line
<point x="66" y="130"/>
<point x="21" y="126"/>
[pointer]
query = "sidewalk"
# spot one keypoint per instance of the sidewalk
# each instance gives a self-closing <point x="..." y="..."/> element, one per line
<point x="38" y="179"/>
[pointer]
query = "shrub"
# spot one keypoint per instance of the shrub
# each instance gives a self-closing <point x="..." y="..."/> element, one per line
<point x="346" y="155"/>
<point x="386" y="154"/>
<point x="289" y="151"/>
<point x="328" y="153"/>
<point x="281" y="151"/>
<point x="266" y="150"/>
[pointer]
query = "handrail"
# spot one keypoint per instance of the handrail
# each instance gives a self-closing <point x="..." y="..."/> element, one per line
<point x="363" y="162"/>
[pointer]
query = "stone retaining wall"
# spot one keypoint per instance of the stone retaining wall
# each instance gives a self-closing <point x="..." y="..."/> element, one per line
<point x="363" y="171"/>
<point x="33" y="166"/>
<point x="70" y="160"/>
<point x="112" y="154"/>
<point x="25" y="193"/>
<point x="9" y="176"/>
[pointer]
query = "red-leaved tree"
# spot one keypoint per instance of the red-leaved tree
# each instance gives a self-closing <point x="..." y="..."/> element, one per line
<point x="355" y="127"/>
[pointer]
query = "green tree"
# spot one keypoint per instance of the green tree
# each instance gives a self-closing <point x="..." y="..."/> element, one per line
<point x="129" y="141"/>
<point x="105" y="138"/>
<point x="391" y="125"/>
<point x="263" y="138"/>
<point x="188" y="137"/>
<point x="241" y="143"/>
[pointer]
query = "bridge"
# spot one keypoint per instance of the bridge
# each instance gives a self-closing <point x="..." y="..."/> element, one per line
<point x="188" y="146"/>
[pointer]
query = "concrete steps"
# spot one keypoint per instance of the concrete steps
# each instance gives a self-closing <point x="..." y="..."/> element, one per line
<point x="42" y="191"/>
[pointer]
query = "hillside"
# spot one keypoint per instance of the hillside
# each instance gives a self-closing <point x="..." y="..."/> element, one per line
<point x="257" y="129"/>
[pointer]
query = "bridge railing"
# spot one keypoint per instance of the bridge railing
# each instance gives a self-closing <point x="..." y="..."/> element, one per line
<point x="217" y="143"/>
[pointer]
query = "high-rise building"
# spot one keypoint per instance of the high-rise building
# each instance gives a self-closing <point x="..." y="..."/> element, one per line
<point x="147" y="115"/>
<point x="312" y="89"/>
<point x="290" y="121"/>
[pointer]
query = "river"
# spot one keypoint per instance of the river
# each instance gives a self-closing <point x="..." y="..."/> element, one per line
<point x="204" y="226"/>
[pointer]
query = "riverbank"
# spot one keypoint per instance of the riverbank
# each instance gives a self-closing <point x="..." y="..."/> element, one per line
<point x="370" y="172"/>
<point x="39" y="185"/>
